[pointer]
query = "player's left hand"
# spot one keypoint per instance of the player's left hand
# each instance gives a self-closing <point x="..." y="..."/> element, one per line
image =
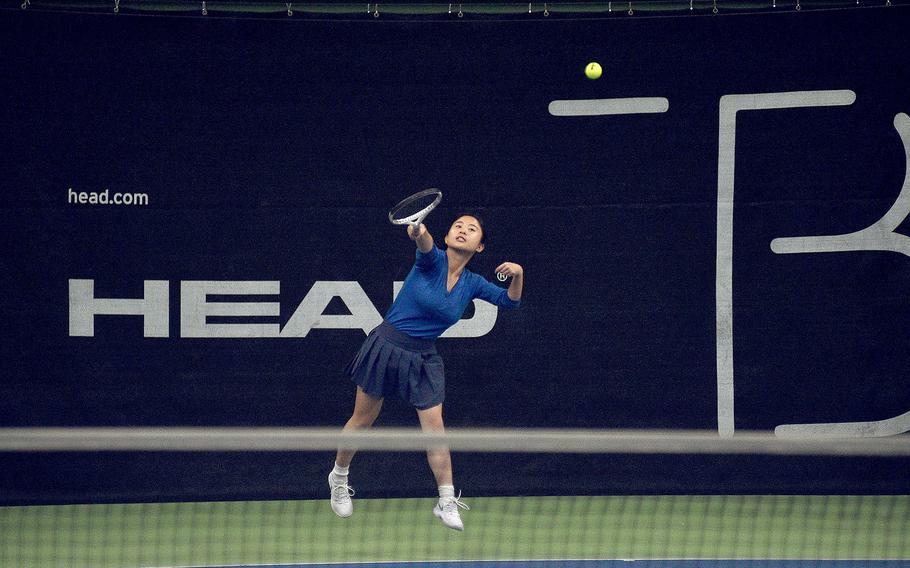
<point x="510" y="269"/>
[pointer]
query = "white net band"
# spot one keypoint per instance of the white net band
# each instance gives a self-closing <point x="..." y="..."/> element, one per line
<point x="473" y="440"/>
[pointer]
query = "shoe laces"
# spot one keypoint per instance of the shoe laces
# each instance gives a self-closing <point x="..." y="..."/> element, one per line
<point x="342" y="492"/>
<point x="452" y="504"/>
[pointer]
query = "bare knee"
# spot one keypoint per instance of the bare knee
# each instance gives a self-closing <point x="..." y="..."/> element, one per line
<point x="366" y="410"/>
<point x="360" y="420"/>
<point x="433" y="426"/>
<point x="431" y="419"/>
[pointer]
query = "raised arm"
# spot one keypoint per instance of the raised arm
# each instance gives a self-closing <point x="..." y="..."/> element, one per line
<point x="518" y="278"/>
<point x="421" y="237"/>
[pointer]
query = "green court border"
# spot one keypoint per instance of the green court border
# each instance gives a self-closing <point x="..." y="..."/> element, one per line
<point x="631" y="527"/>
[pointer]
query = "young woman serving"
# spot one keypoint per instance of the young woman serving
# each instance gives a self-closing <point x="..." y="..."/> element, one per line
<point x="399" y="356"/>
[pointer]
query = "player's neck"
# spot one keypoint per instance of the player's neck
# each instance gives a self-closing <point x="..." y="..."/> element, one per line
<point x="457" y="260"/>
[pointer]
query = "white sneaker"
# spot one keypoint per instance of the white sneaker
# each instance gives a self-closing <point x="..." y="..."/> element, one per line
<point x="446" y="510"/>
<point x="341" y="497"/>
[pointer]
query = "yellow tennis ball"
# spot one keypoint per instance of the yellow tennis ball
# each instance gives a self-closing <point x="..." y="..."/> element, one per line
<point x="593" y="70"/>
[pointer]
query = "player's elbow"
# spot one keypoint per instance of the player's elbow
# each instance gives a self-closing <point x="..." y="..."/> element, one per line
<point x="511" y="302"/>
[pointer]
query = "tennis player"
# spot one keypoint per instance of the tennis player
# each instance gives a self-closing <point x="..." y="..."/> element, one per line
<point x="399" y="356"/>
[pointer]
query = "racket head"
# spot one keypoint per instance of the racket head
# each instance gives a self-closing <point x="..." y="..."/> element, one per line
<point x="412" y="209"/>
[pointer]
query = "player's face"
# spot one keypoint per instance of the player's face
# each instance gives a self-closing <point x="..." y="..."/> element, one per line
<point x="465" y="234"/>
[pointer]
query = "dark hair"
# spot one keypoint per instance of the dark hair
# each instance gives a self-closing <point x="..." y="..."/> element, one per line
<point x="484" y="235"/>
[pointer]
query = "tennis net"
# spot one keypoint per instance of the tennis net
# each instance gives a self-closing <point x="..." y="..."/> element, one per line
<point x="243" y="497"/>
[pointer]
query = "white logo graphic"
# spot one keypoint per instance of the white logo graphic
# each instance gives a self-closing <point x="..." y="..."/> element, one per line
<point x="195" y="308"/>
<point x="881" y="236"/>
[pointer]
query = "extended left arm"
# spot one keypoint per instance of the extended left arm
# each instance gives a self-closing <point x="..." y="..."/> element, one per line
<point x="518" y="279"/>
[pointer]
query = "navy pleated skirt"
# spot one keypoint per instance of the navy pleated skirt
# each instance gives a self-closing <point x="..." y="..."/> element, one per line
<point x="392" y="363"/>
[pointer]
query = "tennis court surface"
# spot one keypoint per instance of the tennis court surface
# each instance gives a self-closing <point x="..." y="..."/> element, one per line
<point x="707" y="530"/>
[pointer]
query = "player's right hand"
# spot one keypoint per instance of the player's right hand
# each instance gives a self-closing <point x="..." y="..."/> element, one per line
<point x="415" y="234"/>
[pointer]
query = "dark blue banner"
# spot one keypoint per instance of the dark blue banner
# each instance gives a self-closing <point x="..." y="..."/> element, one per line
<point x="713" y="232"/>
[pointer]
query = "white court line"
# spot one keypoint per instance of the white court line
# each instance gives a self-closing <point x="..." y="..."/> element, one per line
<point x="798" y="561"/>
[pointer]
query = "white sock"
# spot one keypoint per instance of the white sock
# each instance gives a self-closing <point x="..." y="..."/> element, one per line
<point x="446" y="491"/>
<point x="340" y="472"/>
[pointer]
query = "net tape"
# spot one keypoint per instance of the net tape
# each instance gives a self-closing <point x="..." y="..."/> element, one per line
<point x="458" y="439"/>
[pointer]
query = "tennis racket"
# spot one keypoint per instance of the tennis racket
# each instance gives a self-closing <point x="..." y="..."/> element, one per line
<point x="412" y="209"/>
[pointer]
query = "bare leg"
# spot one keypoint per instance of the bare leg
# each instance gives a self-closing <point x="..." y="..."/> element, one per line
<point x="366" y="409"/>
<point x="439" y="458"/>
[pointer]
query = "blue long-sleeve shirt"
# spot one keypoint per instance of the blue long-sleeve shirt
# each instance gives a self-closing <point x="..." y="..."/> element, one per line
<point x="425" y="308"/>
